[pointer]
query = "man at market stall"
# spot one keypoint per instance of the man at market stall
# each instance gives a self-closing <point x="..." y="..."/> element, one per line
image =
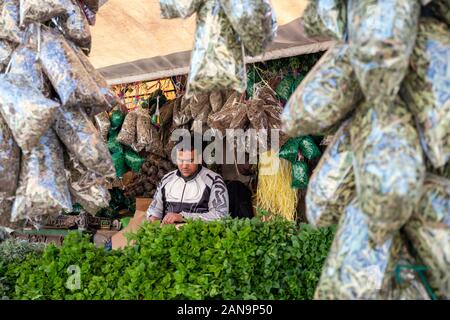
<point x="190" y="192"/>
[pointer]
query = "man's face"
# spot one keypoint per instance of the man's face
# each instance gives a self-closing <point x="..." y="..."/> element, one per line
<point x="186" y="163"/>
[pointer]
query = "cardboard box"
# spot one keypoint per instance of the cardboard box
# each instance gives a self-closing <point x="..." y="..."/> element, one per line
<point x="119" y="240"/>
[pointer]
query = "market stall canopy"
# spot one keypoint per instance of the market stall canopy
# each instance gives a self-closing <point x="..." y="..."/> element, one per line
<point x="132" y="43"/>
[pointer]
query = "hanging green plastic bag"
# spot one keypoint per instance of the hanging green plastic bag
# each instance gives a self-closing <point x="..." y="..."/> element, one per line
<point x="117" y="118"/>
<point x="283" y="89"/>
<point x="309" y="148"/>
<point x="299" y="175"/>
<point x="118" y="159"/>
<point x="134" y="161"/>
<point x="114" y="146"/>
<point x="289" y="150"/>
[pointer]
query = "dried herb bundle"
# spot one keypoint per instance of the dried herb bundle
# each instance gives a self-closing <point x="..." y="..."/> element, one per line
<point x="28" y="113"/>
<point x="111" y="99"/>
<point x="9" y="21"/>
<point x="254" y="21"/>
<point x="381" y="38"/>
<point x="41" y="10"/>
<point x="86" y="187"/>
<point x="181" y="112"/>
<point x="143" y="123"/>
<point x="155" y="146"/>
<point x="81" y="138"/>
<point x="76" y="27"/>
<point x="24" y="62"/>
<point x="429" y="231"/>
<point x="103" y="124"/>
<point x="325" y="18"/>
<point x="332" y="185"/>
<point x="179" y="8"/>
<point x="355" y="269"/>
<point x="327" y="94"/>
<point x="9" y="171"/>
<point x="67" y="74"/>
<point x="43" y="189"/>
<point x="127" y="134"/>
<point x="426" y="89"/>
<point x="216" y="101"/>
<point x="217" y="60"/>
<point x="6" y="49"/>
<point x="389" y="166"/>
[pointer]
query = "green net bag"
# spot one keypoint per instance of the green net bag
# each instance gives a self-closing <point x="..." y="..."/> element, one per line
<point x="114" y="146"/>
<point x="119" y="163"/>
<point x="133" y="160"/>
<point x="117" y="118"/>
<point x="299" y="175"/>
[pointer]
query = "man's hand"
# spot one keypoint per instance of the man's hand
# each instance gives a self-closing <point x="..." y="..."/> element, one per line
<point x="153" y="219"/>
<point x="172" y="218"/>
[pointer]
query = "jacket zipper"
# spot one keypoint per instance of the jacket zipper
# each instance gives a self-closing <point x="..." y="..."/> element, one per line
<point x="182" y="196"/>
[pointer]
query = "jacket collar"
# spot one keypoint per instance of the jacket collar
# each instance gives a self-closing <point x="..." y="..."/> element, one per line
<point x="192" y="177"/>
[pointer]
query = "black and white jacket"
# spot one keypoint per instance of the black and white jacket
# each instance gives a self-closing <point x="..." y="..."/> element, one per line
<point x="203" y="196"/>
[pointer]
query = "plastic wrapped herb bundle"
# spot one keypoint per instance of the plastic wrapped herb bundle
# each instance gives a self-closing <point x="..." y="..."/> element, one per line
<point x="86" y="187"/>
<point x="23" y="61"/>
<point x="389" y="165"/>
<point x="381" y="38"/>
<point x="41" y="10"/>
<point x="426" y="89"/>
<point x="81" y="138"/>
<point x="43" y="189"/>
<point x="325" y="18"/>
<point x="441" y="8"/>
<point x="9" y="21"/>
<point x="76" y="27"/>
<point x="143" y="129"/>
<point x="181" y="112"/>
<point x="127" y="134"/>
<point x="332" y="185"/>
<point x="98" y="78"/>
<point x="179" y="8"/>
<point x="429" y="231"/>
<point x="9" y="171"/>
<point x="67" y="74"/>
<point x="28" y="113"/>
<point x="253" y="20"/>
<point x="355" y="269"/>
<point x="217" y="60"/>
<point x="326" y="96"/>
<point x="6" y="49"/>
<point x="103" y="124"/>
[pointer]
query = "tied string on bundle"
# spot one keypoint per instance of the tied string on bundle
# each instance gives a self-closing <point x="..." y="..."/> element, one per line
<point x="420" y="270"/>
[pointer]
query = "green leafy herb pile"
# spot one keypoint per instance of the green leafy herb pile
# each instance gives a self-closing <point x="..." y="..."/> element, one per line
<point x="229" y="259"/>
